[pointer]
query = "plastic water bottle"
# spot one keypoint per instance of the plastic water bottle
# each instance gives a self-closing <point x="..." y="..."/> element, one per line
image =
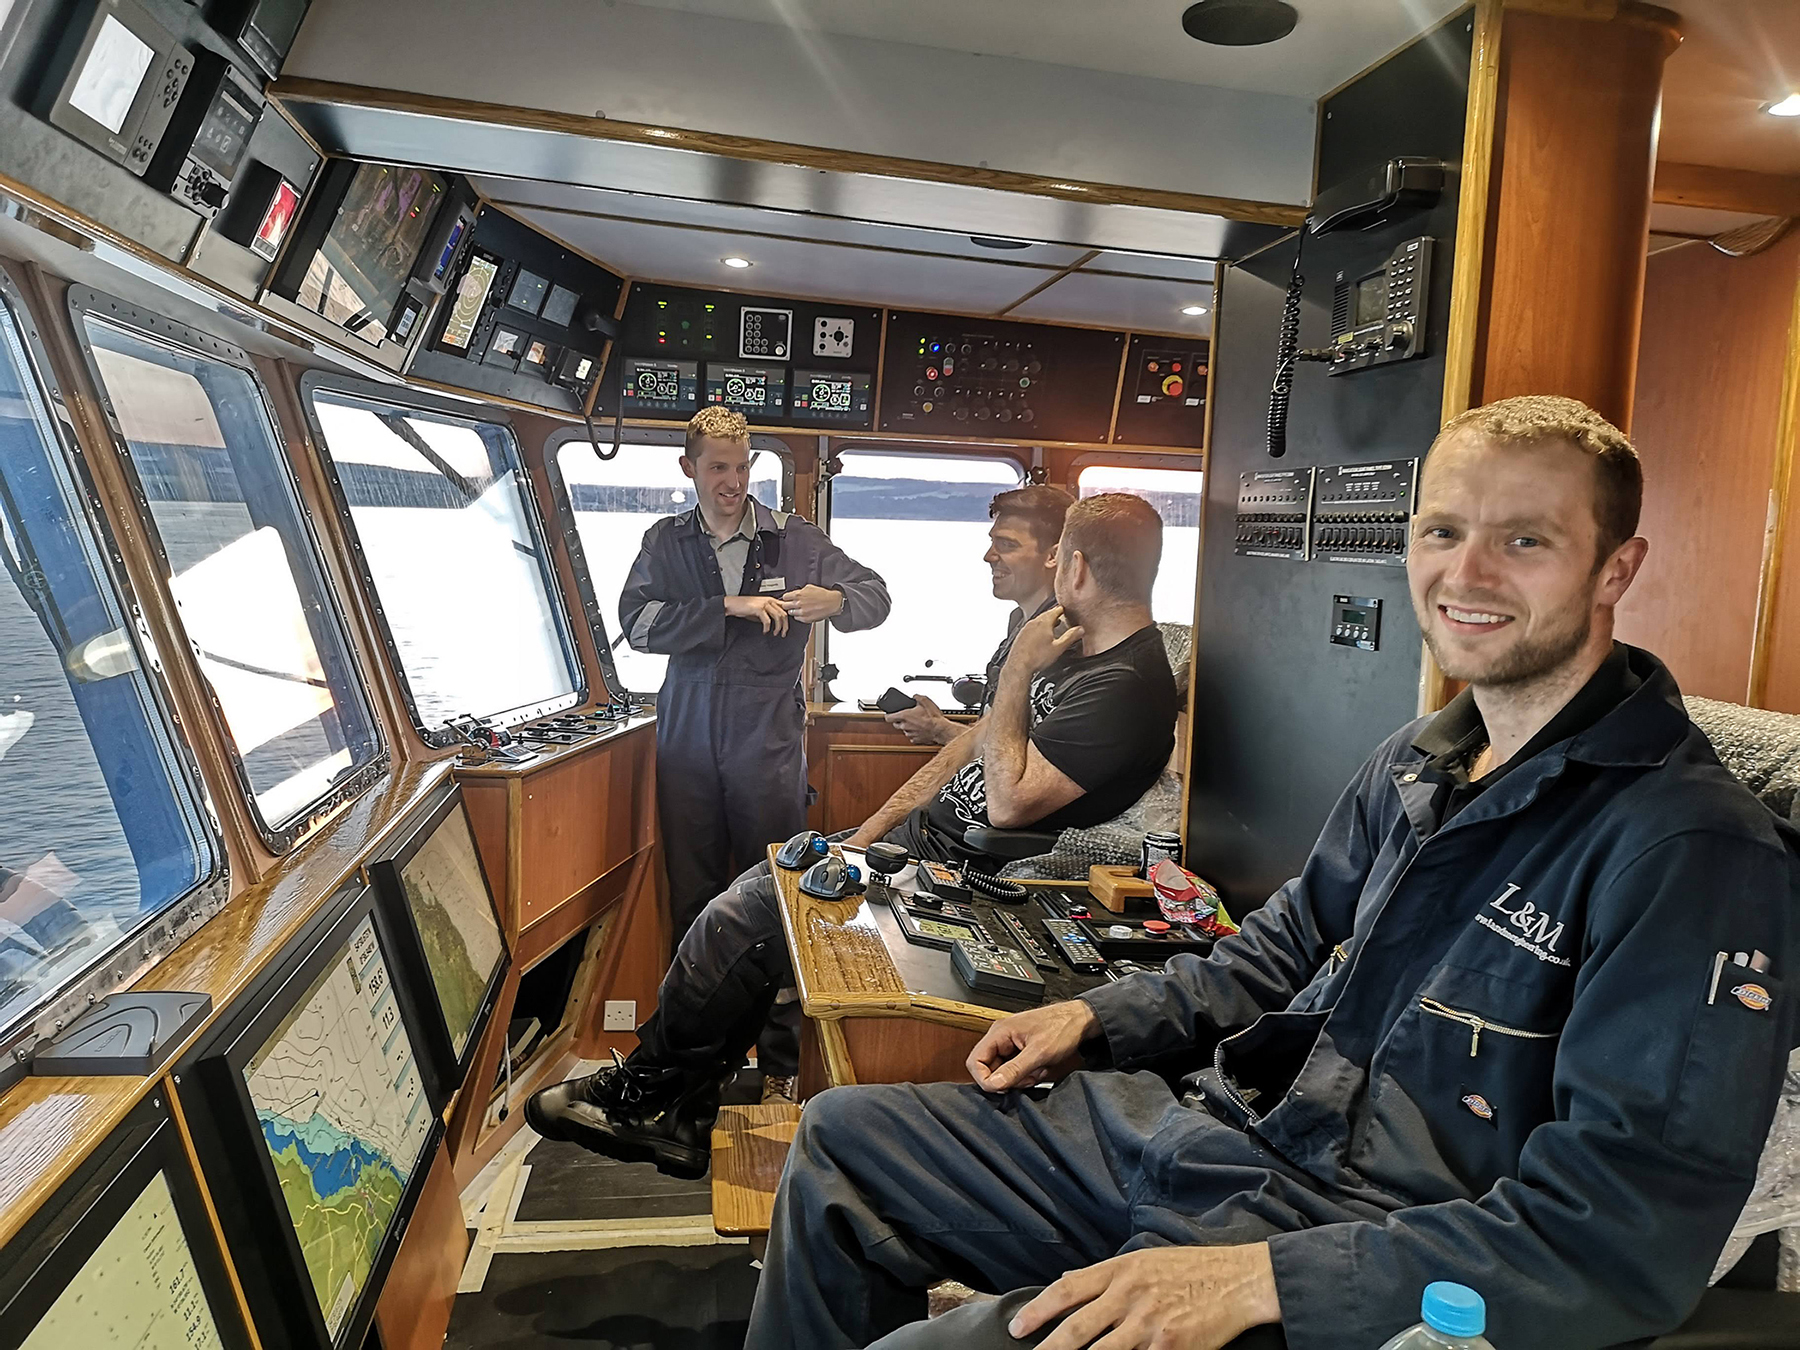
<point x="1454" y="1316"/>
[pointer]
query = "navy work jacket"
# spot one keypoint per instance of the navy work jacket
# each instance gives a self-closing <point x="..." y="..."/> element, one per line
<point x="1514" y="1038"/>
<point x="677" y="571"/>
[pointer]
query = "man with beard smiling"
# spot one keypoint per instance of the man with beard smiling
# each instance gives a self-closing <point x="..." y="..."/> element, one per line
<point x="1080" y="728"/>
<point x="1519" y="1023"/>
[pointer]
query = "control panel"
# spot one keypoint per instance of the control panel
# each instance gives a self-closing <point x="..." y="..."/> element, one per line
<point x="1379" y="317"/>
<point x="1163" y="398"/>
<point x="656" y="387"/>
<point x="1361" y="512"/>
<point x="759" y="392"/>
<point x="115" y="81"/>
<point x="1272" y="511"/>
<point x="833" y="398"/>
<point x="766" y="334"/>
<point x="952" y="377"/>
<point x="1356" y="622"/>
<point x="207" y="137"/>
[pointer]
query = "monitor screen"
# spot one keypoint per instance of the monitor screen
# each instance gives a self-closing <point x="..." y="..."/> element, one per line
<point x="1371" y="300"/>
<point x="657" y="387"/>
<point x="357" y="277"/>
<point x="471" y="296"/>
<point x="832" y="396"/>
<point x="945" y="930"/>
<point x="759" y="392"/>
<point x="108" y="84"/>
<point x="344" y="1116"/>
<point x="139" y="1290"/>
<point x="448" y="898"/>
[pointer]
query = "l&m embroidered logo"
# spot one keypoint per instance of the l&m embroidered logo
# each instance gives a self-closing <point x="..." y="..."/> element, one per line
<point x="1479" y="1105"/>
<point x="1527" y="927"/>
<point x="1753" y="997"/>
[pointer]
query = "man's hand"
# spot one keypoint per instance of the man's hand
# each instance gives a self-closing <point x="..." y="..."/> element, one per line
<point x="924" y="723"/>
<point x="809" y="604"/>
<point x="1038" y="643"/>
<point x="765" y="609"/>
<point x="1033" y="1047"/>
<point x="1172" y="1298"/>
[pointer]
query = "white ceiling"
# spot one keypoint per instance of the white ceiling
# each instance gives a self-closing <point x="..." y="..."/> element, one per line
<point x="807" y="256"/>
<point x="1333" y="41"/>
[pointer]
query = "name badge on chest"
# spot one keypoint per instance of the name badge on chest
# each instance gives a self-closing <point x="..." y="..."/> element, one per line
<point x="774" y="585"/>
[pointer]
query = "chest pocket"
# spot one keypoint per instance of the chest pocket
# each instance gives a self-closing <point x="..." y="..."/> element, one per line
<point x="1461" y="1080"/>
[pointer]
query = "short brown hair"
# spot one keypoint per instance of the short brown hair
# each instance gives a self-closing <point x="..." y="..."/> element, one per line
<point x="1120" y="535"/>
<point x="715" y="423"/>
<point x="1040" y="506"/>
<point x="1532" y="419"/>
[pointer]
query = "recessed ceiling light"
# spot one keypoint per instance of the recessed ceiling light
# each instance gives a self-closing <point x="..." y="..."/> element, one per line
<point x="1788" y="107"/>
<point x="736" y="262"/>
<point x="1239" y="23"/>
<point x="1193" y="311"/>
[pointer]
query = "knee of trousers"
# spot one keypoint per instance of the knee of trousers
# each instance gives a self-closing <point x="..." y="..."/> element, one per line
<point x="843" y="1122"/>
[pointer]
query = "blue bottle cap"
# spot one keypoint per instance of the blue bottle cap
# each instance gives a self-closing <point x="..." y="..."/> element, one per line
<point x="1454" y="1309"/>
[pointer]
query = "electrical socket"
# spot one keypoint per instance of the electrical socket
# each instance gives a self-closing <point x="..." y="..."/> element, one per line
<point x="620" y="1015"/>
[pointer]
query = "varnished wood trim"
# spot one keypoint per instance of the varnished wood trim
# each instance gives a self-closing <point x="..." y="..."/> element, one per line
<point x="1187" y="749"/>
<point x="515" y="856"/>
<point x="1057" y="275"/>
<point x="1462" y="340"/>
<point x="838" y="1067"/>
<point x="1762" y="642"/>
<point x="776" y="152"/>
<point x="212" y="1213"/>
<point x="1715" y="189"/>
<point x="1112" y="423"/>
<point x="880" y="377"/>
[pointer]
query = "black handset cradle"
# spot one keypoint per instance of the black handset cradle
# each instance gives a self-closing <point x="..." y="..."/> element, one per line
<point x="1395" y="187"/>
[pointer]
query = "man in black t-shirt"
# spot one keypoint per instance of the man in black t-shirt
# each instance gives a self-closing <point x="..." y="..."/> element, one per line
<point x="1080" y="727"/>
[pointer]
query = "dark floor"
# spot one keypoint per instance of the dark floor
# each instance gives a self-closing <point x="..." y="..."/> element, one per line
<point x="662" y="1298"/>
<point x="640" y="1298"/>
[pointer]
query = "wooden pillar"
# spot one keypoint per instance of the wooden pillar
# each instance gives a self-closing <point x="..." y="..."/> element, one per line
<point x="1558" y="166"/>
<point x="1574" y="152"/>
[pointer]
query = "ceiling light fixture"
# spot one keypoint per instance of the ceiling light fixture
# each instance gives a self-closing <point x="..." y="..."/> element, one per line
<point x="1193" y="311"/>
<point x="1788" y="107"/>
<point x="992" y="241"/>
<point x="1239" y="23"/>
<point x="739" y="263"/>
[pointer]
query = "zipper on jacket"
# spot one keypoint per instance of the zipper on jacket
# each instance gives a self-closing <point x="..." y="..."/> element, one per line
<point x="1478" y="1024"/>
<point x="1338" y="957"/>
<point x="1228" y="1087"/>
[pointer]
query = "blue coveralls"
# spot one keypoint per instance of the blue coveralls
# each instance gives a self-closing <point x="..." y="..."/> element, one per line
<point x="1502" y="1050"/>
<point x="731" y="716"/>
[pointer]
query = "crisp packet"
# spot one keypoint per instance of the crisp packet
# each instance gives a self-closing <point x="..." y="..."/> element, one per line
<point x="1185" y="898"/>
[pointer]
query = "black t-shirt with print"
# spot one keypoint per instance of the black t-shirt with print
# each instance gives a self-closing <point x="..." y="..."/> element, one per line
<point x="1015" y="621"/>
<point x="1107" y="721"/>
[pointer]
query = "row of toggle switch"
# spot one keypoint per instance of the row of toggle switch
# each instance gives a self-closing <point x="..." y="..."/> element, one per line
<point x="1361" y="538"/>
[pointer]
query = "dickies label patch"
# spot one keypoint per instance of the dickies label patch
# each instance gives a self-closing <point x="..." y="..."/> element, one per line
<point x="1479" y="1105"/>
<point x="1753" y="997"/>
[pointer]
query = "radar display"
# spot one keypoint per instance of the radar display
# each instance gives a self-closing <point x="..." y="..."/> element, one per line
<point x="338" y="1097"/>
<point x="138" y="1291"/>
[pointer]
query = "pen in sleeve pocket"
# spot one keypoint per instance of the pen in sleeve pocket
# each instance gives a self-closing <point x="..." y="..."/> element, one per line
<point x="1712" y="992"/>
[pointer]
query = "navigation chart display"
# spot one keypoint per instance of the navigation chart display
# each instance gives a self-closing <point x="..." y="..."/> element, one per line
<point x="138" y="1291"/>
<point x="447" y="896"/>
<point x="342" y="1111"/>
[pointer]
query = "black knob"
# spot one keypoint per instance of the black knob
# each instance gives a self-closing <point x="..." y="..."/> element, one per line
<point x="210" y="193"/>
<point x="1027" y="415"/>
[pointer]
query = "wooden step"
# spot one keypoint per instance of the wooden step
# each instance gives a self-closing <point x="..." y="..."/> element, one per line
<point x="749" y="1149"/>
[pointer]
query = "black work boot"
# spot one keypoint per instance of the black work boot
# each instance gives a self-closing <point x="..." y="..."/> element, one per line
<point x="635" y="1113"/>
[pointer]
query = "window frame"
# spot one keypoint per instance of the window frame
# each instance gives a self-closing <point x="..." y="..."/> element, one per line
<point x="822" y="492"/>
<point x="278" y="837"/>
<point x="569" y="528"/>
<point x="406" y="399"/>
<point x="112" y="970"/>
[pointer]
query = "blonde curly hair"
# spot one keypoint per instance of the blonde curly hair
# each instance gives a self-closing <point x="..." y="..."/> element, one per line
<point x="715" y="423"/>
<point x="1531" y="419"/>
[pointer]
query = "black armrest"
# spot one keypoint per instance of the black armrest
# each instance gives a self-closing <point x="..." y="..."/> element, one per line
<point x="1738" y="1319"/>
<point x="1009" y="845"/>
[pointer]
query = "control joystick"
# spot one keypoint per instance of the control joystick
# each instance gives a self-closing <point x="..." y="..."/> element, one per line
<point x="803" y="850"/>
<point x="885" y="858"/>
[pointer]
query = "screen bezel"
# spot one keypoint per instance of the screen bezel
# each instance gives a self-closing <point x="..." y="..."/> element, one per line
<point x="445" y="1070"/>
<point x="848" y="420"/>
<point x="909" y="926"/>
<point x="39" y="1264"/>
<point x="115" y="145"/>
<point x="270" y="1265"/>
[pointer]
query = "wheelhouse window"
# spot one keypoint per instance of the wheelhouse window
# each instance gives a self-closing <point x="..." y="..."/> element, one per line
<point x="455" y="558"/>
<point x="1178" y="496"/>
<point x="244" y="570"/>
<point x="103" y="835"/>
<point x="614" y="502"/>
<point x="922" y="522"/>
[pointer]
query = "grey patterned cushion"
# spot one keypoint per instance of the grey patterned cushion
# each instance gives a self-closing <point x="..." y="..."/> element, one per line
<point x="1760" y="748"/>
